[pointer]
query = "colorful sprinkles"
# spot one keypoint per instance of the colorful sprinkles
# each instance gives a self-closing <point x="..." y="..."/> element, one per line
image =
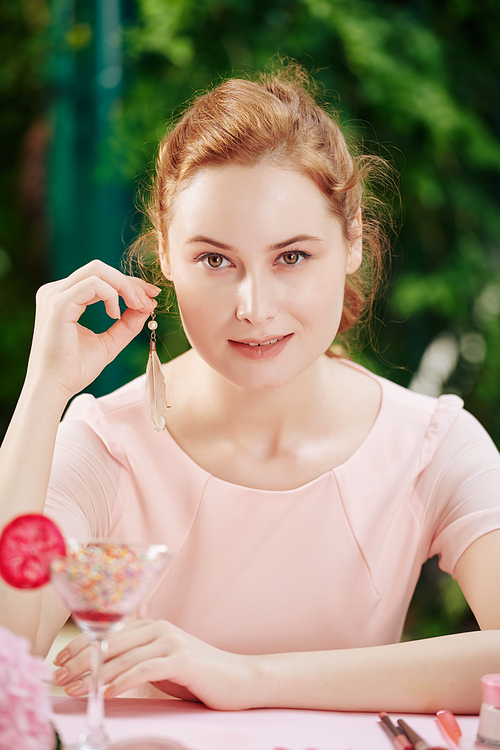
<point x="104" y="579"/>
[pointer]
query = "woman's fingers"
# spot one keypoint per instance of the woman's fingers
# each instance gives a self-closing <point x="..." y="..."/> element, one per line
<point x="154" y="670"/>
<point x="75" y="657"/>
<point x="120" y="334"/>
<point x="144" y="667"/>
<point x="143" y="664"/>
<point x="176" y="662"/>
<point x="90" y="289"/>
<point x="73" y="648"/>
<point x="133" y="289"/>
<point x="66" y="300"/>
<point x="65" y="353"/>
<point x="133" y="651"/>
<point x="81" y="642"/>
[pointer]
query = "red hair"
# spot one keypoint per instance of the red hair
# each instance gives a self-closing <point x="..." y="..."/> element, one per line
<point x="277" y="121"/>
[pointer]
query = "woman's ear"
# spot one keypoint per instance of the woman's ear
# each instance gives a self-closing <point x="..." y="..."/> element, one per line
<point x="355" y="255"/>
<point x="164" y="261"/>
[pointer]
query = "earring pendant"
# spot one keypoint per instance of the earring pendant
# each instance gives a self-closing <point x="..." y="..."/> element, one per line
<point x="156" y="391"/>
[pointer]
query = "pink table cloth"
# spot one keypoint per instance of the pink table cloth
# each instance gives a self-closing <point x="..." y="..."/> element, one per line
<point x="198" y="728"/>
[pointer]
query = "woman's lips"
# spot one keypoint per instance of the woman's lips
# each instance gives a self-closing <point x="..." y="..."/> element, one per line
<point x="261" y="349"/>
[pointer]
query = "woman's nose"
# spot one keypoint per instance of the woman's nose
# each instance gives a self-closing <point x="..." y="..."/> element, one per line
<point x="257" y="301"/>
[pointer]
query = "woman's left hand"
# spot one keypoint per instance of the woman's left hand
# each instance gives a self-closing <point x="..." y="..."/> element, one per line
<point x="158" y="652"/>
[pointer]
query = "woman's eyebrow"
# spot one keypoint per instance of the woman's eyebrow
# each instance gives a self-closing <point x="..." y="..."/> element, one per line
<point x="207" y="241"/>
<point x="278" y="246"/>
<point x="293" y="240"/>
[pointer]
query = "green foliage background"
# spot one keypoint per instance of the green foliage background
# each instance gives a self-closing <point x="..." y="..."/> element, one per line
<point x="417" y="80"/>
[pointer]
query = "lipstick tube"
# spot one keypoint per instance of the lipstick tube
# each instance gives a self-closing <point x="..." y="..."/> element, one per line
<point x="398" y="737"/>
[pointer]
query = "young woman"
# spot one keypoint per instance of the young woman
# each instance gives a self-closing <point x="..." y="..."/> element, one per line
<point x="301" y="493"/>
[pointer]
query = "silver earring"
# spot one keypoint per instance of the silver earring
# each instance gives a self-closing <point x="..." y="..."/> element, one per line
<point x="156" y="391"/>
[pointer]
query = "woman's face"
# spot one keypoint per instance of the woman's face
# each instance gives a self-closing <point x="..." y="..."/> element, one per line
<point x="258" y="265"/>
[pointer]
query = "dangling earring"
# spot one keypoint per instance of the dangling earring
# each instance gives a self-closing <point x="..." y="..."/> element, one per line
<point x="156" y="392"/>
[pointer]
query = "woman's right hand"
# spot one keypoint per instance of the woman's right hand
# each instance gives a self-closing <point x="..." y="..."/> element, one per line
<point x="66" y="354"/>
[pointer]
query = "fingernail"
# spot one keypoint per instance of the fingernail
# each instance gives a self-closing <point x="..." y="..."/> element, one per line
<point x="109" y="690"/>
<point x="61" y="658"/>
<point x="61" y="676"/>
<point x="147" y="304"/>
<point x="75" y="688"/>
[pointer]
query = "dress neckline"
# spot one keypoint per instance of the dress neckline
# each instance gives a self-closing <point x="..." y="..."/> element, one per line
<point x="321" y="477"/>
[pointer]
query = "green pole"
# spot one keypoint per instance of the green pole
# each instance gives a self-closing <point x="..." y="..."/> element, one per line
<point x="88" y="201"/>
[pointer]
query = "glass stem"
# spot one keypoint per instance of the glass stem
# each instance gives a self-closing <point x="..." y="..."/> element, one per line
<point x="94" y="736"/>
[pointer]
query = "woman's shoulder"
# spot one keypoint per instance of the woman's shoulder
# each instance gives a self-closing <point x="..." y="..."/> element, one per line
<point x="125" y="405"/>
<point x="410" y="401"/>
<point x="410" y="421"/>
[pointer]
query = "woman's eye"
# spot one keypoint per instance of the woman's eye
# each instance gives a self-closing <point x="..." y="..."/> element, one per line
<point x="292" y="258"/>
<point x="214" y="261"/>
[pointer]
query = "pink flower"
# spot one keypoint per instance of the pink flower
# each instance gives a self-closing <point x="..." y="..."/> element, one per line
<point x="24" y="696"/>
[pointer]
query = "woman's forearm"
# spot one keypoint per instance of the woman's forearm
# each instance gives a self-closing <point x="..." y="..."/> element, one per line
<point x="25" y="464"/>
<point x="27" y="450"/>
<point x="416" y="676"/>
<point x="65" y="358"/>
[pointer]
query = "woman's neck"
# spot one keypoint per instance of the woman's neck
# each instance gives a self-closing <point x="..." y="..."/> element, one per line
<point x="275" y="439"/>
<point x="271" y="415"/>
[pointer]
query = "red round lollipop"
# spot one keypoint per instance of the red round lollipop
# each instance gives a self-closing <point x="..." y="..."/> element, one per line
<point x="28" y="544"/>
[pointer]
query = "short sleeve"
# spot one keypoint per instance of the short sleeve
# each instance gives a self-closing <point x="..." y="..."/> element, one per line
<point x="85" y="473"/>
<point x="460" y="487"/>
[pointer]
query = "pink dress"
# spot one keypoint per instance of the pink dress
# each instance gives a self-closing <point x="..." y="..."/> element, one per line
<point x="332" y="564"/>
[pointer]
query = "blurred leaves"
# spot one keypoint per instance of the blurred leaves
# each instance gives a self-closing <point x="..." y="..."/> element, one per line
<point x="23" y="135"/>
<point x="438" y="606"/>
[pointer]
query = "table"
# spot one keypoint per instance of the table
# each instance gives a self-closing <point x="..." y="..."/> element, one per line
<point x="199" y="728"/>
